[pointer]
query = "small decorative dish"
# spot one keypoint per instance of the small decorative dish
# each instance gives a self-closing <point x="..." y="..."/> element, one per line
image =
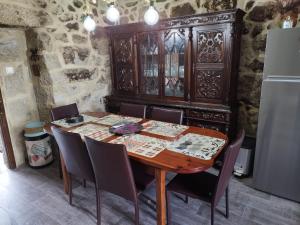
<point x="125" y="128"/>
<point x="75" y="119"/>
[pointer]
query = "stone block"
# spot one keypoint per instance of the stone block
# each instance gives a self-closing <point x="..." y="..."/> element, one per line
<point x="79" y="39"/>
<point x="51" y="61"/>
<point x="14" y="15"/>
<point x="63" y="37"/>
<point x="72" y="26"/>
<point x="66" y="17"/>
<point x="183" y="10"/>
<point x="75" y="55"/>
<point x="249" y="88"/>
<point x="44" y="41"/>
<point x="262" y="13"/>
<point x="80" y="74"/>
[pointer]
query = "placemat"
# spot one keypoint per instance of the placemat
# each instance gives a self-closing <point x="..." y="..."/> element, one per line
<point x="93" y="131"/>
<point x="164" y="129"/>
<point x="113" y="119"/>
<point x="196" y="145"/>
<point x="142" y="145"/>
<point x="86" y="119"/>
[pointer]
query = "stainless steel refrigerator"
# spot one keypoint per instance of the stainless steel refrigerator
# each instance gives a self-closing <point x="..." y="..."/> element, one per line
<point x="277" y="156"/>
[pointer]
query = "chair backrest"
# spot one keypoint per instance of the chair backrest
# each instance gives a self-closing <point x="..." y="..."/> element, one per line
<point x="134" y="110"/>
<point x="112" y="168"/>
<point x="230" y="157"/>
<point x="75" y="154"/>
<point x="65" y="111"/>
<point x="167" y="115"/>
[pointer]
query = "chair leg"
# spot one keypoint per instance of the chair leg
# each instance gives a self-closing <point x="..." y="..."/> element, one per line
<point x="168" y="205"/>
<point x="186" y="199"/>
<point x="136" y="212"/>
<point x="70" y="189"/>
<point x="227" y="202"/>
<point x="212" y="215"/>
<point x="84" y="183"/>
<point x="98" y="204"/>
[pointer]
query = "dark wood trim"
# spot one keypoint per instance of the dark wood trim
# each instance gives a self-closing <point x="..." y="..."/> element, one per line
<point x="6" y="136"/>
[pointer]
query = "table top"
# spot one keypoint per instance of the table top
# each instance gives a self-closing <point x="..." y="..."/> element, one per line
<point x="167" y="160"/>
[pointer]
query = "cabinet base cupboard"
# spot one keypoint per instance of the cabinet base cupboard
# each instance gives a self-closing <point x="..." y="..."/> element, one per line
<point x="188" y="63"/>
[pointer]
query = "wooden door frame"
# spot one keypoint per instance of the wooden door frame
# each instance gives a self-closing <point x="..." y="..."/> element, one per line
<point x="6" y="136"/>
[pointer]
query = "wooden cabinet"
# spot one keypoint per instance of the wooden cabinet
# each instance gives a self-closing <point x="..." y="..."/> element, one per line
<point x="124" y="77"/>
<point x="189" y="63"/>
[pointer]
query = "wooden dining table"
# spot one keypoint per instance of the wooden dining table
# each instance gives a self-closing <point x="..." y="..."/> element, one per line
<point x="165" y="161"/>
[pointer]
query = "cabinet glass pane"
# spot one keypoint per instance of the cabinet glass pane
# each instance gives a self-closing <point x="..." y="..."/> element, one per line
<point x="174" y="43"/>
<point x="149" y="64"/>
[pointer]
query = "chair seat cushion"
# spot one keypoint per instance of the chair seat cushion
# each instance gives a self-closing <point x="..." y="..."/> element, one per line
<point x="198" y="185"/>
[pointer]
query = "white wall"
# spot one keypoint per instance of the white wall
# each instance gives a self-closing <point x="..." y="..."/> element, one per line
<point x="16" y="87"/>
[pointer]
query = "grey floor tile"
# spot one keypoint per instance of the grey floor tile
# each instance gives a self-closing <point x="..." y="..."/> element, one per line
<point x="34" y="197"/>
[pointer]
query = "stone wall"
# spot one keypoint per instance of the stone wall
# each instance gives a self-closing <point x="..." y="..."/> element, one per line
<point x="16" y="87"/>
<point x="68" y="65"/>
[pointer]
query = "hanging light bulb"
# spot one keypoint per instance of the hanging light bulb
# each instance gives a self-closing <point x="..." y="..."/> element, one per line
<point x="151" y="16"/>
<point x="89" y="23"/>
<point x="112" y="13"/>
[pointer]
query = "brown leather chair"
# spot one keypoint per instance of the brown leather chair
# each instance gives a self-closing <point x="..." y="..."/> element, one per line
<point x="206" y="186"/>
<point x="167" y="115"/>
<point x="134" y="110"/>
<point x="113" y="173"/>
<point x="75" y="155"/>
<point x="62" y="112"/>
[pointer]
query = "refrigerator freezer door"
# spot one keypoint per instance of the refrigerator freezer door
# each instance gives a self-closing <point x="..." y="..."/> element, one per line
<point x="277" y="158"/>
<point x="282" y="52"/>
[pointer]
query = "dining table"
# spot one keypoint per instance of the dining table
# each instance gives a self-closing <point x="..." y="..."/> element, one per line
<point x="164" y="162"/>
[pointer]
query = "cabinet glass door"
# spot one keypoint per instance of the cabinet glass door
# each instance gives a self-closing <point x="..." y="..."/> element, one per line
<point x="149" y="63"/>
<point x="174" y="61"/>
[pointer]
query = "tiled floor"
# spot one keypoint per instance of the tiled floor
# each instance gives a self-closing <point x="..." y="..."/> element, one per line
<point x="35" y="197"/>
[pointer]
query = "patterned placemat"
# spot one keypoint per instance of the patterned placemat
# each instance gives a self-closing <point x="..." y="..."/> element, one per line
<point x="142" y="145"/>
<point x="196" y="145"/>
<point x="113" y="119"/>
<point x="164" y="129"/>
<point x="93" y="131"/>
<point x="86" y="119"/>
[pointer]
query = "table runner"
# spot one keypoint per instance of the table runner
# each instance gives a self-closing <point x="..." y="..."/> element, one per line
<point x="113" y="119"/>
<point x="163" y="128"/>
<point x="196" y="145"/>
<point x="142" y="145"/>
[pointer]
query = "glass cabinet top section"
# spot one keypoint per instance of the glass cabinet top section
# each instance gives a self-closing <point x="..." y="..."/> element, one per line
<point x="174" y="49"/>
<point x="149" y="55"/>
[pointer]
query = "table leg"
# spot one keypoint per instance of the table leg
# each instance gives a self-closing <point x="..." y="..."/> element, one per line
<point x="160" y="176"/>
<point x="65" y="174"/>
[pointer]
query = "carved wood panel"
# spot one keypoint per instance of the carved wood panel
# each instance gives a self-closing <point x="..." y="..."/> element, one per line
<point x="124" y="64"/>
<point x="208" y="115"/>
<point x="209" y="84"/>
<point x="210" y="46"/>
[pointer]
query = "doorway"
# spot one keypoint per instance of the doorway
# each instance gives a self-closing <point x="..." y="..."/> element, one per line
<point x="17" y="97"/>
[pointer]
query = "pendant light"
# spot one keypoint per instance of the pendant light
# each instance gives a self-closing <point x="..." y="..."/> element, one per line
<point x="112" y="13"/>
<point x="89" y="23"/>
<point x="151" y="16"/>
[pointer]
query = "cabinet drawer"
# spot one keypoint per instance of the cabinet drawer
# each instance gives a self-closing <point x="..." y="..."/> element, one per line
<point x="208" y="116"/>
<point x="209" y="125"/>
